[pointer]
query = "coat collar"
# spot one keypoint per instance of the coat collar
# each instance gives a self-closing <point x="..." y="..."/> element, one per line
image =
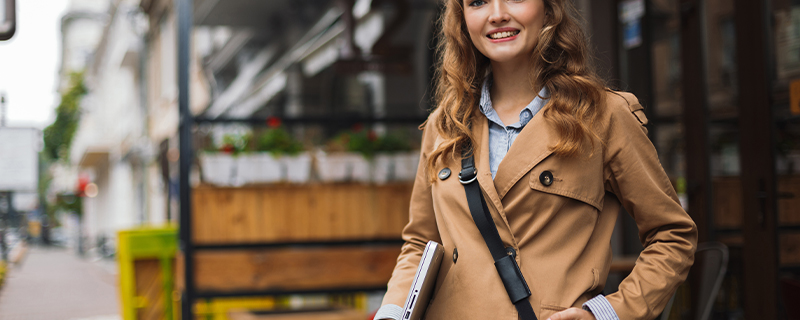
<point x="531" y="147"/>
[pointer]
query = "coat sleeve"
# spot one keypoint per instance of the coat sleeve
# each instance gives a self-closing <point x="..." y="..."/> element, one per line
<point x="669" y="236"/>
<point x="420" y="229"/>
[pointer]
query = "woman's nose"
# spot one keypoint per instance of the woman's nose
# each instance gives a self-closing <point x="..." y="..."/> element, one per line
<point x="499" y="12"/>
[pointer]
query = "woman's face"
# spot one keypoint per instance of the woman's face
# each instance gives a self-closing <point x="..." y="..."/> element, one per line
<point x="504" y="30"/>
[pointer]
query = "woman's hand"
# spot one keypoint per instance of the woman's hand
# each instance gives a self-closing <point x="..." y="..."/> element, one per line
<point x="573" y="314"/>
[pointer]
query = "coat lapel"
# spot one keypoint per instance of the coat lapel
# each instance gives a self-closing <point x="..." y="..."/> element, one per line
<point x="531" y="147"/>
<point x="481" y="131"/>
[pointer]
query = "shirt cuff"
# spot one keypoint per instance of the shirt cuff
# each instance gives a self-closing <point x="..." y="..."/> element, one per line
<point x="389" y="311"/>
<point x="599" y="307"/>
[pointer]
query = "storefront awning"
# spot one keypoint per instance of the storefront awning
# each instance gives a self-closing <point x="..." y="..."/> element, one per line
<point x="93" y="158"/>
<point x="246" y="13"/>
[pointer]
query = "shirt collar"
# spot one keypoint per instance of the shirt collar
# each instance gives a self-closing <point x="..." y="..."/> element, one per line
<point x="488" y="110"/>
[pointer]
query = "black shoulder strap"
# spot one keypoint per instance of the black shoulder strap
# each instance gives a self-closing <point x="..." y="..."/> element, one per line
<point x="504" y="260"/>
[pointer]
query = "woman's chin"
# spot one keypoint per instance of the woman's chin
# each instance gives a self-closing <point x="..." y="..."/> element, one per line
<point x="503" y="58"/>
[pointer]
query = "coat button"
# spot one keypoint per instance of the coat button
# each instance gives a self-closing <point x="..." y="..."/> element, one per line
<point x="455" y="254"/>
<point x="444" y="174"/>
<point x="546" y="178"/>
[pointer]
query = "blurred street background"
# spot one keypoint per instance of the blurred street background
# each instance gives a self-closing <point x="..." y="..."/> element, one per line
<point x="54" y="283"/>
<point x="253" y="159"/>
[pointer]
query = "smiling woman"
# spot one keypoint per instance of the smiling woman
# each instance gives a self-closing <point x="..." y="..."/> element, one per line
<point x="551" y="183"/>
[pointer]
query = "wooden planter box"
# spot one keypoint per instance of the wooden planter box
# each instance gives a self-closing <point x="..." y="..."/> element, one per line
<point x="290" y="269"/>
<point x="290" y="230"/>
<point x="299" y="213"/>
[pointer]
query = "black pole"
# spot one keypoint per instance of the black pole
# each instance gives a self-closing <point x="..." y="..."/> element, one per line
<point x="184" y="8"/>
<point x="4" y="218"/>
<point x="2" y="109"/>
<point x="695" y="119"/>
<point x="760" y="252"/>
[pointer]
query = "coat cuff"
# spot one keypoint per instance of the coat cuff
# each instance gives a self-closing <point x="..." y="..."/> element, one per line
<point x="390" y="311"/>
<point x="599" y="307"/>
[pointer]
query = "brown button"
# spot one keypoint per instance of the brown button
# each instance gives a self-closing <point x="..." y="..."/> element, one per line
<point x="546" y="178"/>
<point x="455" y="254"/>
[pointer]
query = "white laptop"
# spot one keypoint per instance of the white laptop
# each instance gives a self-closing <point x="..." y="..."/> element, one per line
<point x="422" y="288"/>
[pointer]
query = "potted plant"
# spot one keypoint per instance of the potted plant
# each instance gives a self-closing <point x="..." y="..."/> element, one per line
<point x="362" y="144"/>
<point x="407" y="165"/>
<point x="279" y="145"/>
<point x="346" y="156"/>
<point x="220" y="163"/>
<point x="390" y="150"/>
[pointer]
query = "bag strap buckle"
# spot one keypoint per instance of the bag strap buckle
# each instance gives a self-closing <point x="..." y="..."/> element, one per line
<point x="467" y="176"/>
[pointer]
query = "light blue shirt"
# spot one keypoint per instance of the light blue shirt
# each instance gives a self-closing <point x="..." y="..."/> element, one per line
<point x="501" y="136"/>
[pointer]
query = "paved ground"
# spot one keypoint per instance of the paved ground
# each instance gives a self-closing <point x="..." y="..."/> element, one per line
<point x="55" y="284"/>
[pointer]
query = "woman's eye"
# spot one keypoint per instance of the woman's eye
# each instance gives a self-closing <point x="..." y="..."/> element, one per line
<point x="476" y="3"/>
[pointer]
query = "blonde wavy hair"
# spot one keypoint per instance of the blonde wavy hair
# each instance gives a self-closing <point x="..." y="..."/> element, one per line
<point x="562" y="64"/>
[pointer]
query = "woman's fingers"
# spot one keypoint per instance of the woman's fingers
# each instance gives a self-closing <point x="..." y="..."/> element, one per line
<point x="572" y="314"/>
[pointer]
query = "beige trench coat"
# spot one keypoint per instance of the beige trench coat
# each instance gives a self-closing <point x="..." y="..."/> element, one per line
<point x="561" y="232"/>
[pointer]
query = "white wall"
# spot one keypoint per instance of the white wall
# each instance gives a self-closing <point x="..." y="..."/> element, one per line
<point x="113" y="122"/>
<point x="121" y="195"/>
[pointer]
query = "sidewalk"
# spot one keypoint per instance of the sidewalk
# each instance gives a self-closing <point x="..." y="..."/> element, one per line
<point x="55" y="284"/>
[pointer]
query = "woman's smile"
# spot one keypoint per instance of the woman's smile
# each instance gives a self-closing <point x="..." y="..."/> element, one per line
<point x="503" y="34"/>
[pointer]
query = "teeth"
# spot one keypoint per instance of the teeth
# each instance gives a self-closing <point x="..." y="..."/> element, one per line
<point x="504" y="34"/>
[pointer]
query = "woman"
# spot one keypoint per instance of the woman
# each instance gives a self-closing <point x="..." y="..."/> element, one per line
<point x="556" y="155"/>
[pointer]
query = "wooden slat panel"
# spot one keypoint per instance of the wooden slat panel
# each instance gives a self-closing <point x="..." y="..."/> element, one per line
<point x="295" y="269"/>
<point x="789" y="200"/>
<point x="728" y="212"/>
<point x="150" y="287"/>
<point x="294" y="213"/>
<point x="727" y="205"/>
<point x="393" y="203"/>
<point x="790" y="249"/>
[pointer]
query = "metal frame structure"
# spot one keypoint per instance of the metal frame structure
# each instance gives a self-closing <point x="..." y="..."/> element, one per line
<point x="185" y="9"/>
<point x="187" y="121"/>
<point x="695" y="118"/>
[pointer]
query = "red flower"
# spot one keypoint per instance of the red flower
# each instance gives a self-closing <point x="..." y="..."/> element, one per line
<point x="83" y="181"/>
<point x="227" y="148"/>
<point x="358" y="127"/>
<point x="372" y="136"/>
<point x="273" y="122"/>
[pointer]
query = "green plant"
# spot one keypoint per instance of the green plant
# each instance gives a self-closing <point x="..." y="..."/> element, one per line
<point x="58" y="139"/>
<point x="392" y="143"/>
<point x="368" y="143"/>
<point x="277" y="141"/>
<point x="58" y="136"/>
<point x="234" y="144"/>
<point x="363" y="142"/>
<point x="356" y="140"/>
